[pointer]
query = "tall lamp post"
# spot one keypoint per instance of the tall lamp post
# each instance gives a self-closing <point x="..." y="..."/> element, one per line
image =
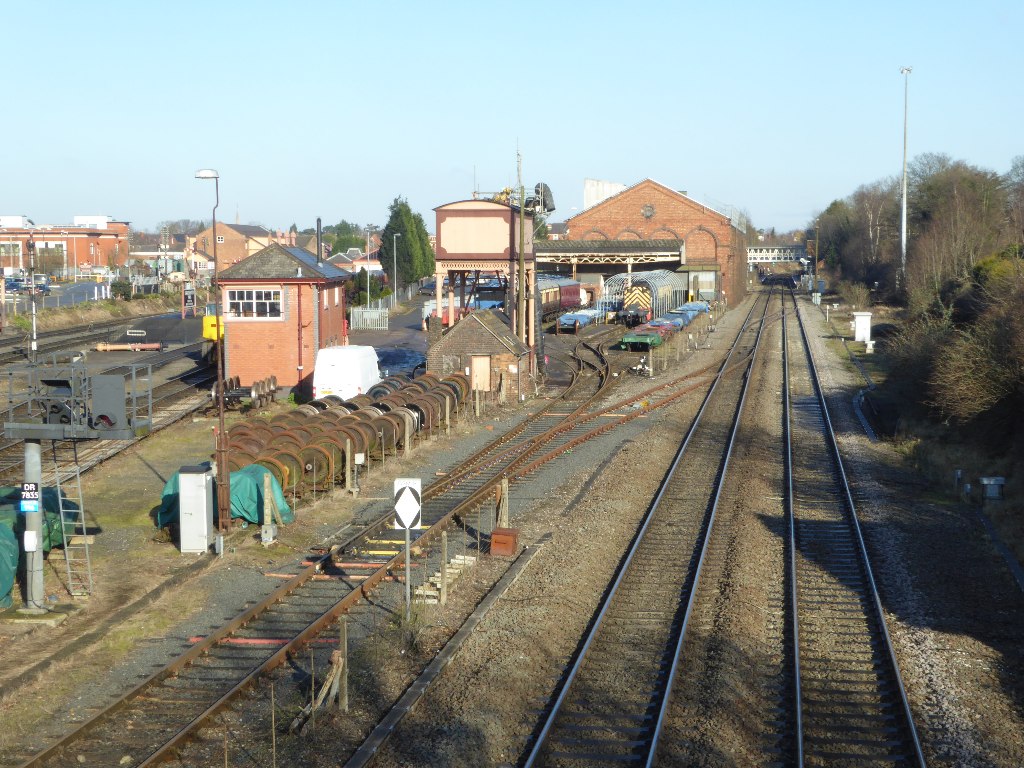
<point x="367" y="267"/>
<point x="223" y="474"/>
<point x="394" y="256"/>
<point x="905" y="71"/>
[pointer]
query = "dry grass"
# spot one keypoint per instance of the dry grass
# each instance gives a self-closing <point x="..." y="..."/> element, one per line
<point x="936" y="449"/>
<point x="84" y="313"/>
<point x="69" y="675"/>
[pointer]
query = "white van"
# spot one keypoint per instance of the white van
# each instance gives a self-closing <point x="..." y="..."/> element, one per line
<point x="345" y="371"/>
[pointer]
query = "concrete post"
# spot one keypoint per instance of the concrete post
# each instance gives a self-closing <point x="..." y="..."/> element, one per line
<point x="343" y="647"/>
<point x="34" y="598"/>
<point x="443" y="597"/>
<point x="503" y="504"/>
<point x="348" y="465"/>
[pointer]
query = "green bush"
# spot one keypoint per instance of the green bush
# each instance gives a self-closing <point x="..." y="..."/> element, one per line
<point x="121" y="289"/>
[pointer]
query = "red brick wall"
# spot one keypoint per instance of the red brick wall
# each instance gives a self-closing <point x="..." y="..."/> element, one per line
<point x="260" y="348"/>
<point x="85" y="246"/>
<point x="456" y="348"/>
<point x="332" y="318"/>
<point x="708" y="234"/>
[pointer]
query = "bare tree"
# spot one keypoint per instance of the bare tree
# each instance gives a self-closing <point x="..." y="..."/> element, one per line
<point x="961" y="219"/>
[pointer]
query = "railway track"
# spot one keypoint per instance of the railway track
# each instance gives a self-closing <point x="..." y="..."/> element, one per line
<point x="153" y="721"/>
<point x="171" y="707"/>
<point x="180" y="393"/>
<point x="850" y="705"/>
<point x="48" y="342"/>
<point x="819" y="686"/>
<point x="612" y="699"/>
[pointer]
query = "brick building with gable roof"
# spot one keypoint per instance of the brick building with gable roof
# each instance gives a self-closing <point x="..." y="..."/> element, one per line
<point x="652" y="224"/>
<point x="280" y="307"/>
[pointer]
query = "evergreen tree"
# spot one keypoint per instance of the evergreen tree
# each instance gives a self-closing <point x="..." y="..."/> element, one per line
<point x="415" y="257"/>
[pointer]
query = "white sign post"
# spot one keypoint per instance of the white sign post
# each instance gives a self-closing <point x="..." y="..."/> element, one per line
<point x="407" y="515"/>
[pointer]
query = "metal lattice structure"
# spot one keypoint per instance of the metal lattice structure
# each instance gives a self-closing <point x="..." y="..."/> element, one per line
<point x="651" y="293"/>
<point x="65" y="402"/>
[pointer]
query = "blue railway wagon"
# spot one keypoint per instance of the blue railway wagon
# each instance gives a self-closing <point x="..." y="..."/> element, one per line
<point x="569" y="322"/>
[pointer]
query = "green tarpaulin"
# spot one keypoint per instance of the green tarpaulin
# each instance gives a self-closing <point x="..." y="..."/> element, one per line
<point x="8" y="564"/>
<point x="246" y="497"/>
<point x="12" y="529"/>
<point x="11" y="516"/>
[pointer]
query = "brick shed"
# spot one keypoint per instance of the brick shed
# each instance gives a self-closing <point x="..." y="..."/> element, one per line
<point x="280" y="307"/>
<point x="483" y="345"/>
<point x="652" y="224"/>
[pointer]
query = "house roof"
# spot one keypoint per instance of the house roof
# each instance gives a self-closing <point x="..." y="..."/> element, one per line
<point x="249" y="230"/>
<point x="664" y="187"/>
<point x="307" y="242"/>
<point x="279" y="262"/>
<point x="496" y="323"/>
<point x="346" y="257"/>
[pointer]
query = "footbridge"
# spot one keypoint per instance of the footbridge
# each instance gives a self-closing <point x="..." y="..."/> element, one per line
<point x="773" y="253"/>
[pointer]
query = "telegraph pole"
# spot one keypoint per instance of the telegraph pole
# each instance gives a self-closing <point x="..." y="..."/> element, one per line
<point x="521" y="295"/>
<point x="905" y="71"/>
<point x="30" y="246"/>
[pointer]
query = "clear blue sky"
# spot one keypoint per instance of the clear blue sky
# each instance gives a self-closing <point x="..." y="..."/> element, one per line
<point x="333" y="109"/>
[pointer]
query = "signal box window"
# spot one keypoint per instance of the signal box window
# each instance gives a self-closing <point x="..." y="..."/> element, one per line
<point x="254" y="303"/>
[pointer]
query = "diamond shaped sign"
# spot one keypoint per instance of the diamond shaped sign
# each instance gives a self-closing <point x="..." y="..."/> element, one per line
<point x="407" y="502"/>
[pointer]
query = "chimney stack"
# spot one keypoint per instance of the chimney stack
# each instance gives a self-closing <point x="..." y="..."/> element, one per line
<point x="319" y="243"/>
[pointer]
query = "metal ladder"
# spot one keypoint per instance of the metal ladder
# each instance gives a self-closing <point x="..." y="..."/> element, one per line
<point x="68" y="482"/>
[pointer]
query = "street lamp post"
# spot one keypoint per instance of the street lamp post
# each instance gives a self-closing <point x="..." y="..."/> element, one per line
<point x="905" y="71"/>
<point x="394" y="256"/>
<point x="223" y="475"/>
<point x="367" y="268"/>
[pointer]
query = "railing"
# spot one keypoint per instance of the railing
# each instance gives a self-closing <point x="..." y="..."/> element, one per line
<point x="369" y="318"/>
<point x="768" y="254"/>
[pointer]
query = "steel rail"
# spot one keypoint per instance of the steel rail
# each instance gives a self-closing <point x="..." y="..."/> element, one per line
<point x="202" y="648"/>
<point x="692" y="600"/>
<point x="862" y="554"/>
<point x="12" y="449"/>
<point x="13" y="350"/>
<point x="597" y="623"/>
<point x="511" y="444"/>
<point x="356" y="595"/>
<point x="794" y="621"/>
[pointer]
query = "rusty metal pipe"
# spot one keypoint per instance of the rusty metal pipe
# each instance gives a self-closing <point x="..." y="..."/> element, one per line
<point x="104" y="346"/>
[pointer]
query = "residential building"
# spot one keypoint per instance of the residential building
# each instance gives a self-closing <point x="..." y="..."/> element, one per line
<point x="64" y="250"/>
<point x="235" y="242"/>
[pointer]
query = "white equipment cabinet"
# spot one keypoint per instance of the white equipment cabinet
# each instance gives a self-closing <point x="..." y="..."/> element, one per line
<point x="195" y="509"/>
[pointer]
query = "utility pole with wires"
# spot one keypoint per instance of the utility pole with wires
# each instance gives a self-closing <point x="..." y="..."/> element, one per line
<point x="902" y="278"/>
